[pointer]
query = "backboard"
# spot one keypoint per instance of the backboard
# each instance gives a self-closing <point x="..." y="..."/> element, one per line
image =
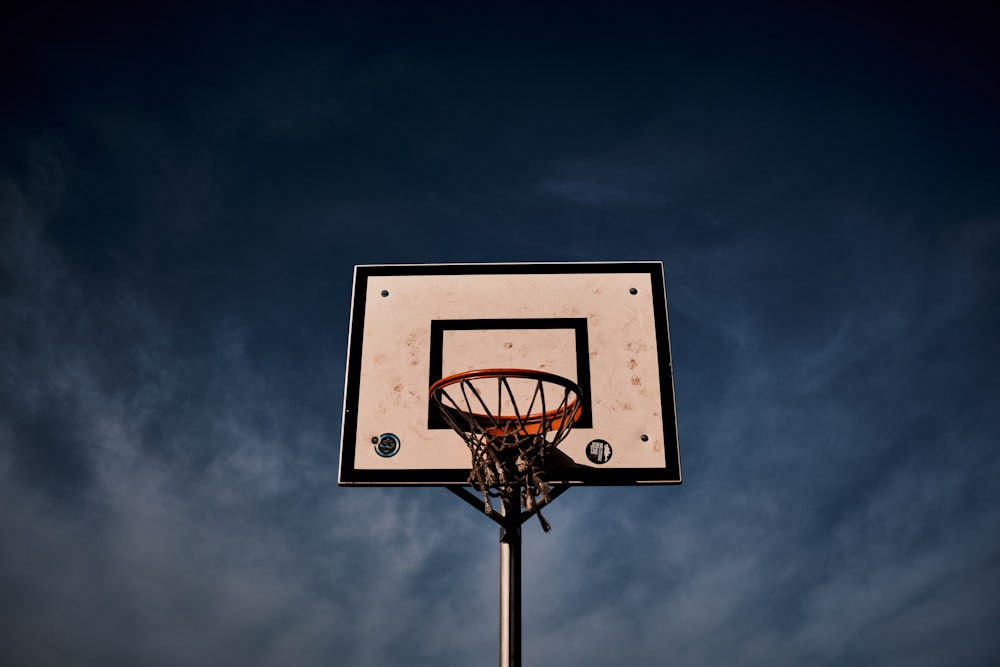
<point x="602" y="326"/>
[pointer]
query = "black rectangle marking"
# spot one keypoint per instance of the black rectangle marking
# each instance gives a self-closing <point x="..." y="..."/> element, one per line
<point x="576" y="324"/>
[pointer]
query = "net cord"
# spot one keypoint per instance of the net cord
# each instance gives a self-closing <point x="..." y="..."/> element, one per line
<point x="508" y="451"/>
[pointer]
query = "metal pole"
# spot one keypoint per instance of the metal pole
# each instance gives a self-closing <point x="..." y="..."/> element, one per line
<point x="510" y="582"/>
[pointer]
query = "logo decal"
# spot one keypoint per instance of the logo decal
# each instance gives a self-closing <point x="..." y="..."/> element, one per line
<point x="599" y="451"/>
<point x="386" y="445"/>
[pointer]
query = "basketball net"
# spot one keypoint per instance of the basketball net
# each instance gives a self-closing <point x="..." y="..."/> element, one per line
<point x="510" y="427"/>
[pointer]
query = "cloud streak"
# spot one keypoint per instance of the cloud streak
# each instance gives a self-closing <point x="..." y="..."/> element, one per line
<point x="177" y="509"/>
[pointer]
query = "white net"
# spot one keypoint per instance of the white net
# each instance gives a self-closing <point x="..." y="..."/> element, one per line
<point x="511" y="420"/>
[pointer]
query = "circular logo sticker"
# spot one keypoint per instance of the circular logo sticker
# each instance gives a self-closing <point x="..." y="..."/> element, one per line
<point x="386" y="445"/>
<point x="599" y="451"/>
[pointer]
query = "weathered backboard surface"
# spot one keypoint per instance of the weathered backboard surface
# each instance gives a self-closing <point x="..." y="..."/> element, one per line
<point x="601" y="325"/>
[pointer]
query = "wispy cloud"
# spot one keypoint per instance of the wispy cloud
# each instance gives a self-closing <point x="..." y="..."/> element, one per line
<point x="595" y="192"/>
<point x="200" y="508"/>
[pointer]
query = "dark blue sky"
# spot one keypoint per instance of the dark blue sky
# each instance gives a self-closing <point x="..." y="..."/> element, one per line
<point x="185" y="190"/>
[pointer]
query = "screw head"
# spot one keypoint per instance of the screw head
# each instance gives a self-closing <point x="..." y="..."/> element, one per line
<point x="385" y="292"/>
<point x="633" y="291"/>
<point x="644" y="437"/>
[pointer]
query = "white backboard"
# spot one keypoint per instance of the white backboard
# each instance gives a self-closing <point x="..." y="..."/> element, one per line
<point x="600" y="325"/>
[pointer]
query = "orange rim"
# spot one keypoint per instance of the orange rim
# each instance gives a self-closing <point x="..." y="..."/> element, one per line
<point x="504" y="424"/>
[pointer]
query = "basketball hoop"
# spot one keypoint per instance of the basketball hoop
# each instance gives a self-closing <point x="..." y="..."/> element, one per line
<point x="511" y="419"/>
<point x="607" y="419"/>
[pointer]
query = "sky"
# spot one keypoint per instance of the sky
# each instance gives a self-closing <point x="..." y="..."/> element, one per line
<point x="185" y="190"/>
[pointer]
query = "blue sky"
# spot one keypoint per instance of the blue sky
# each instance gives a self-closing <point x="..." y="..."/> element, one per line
<point x="184" y="193"/>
